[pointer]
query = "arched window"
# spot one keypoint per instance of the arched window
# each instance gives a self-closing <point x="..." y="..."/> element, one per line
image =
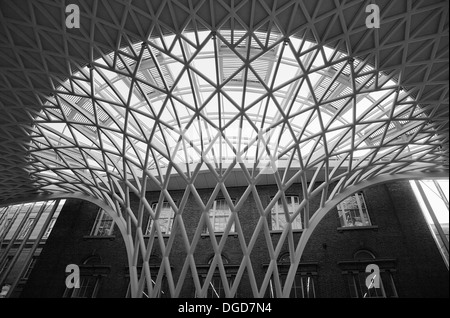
<point x="305" y="280"/>
<point x="91" y="273"/>
<point x="361" y="285"/>
<point x="216" y="288"/>
<point x="363" y="254"/>
<point x="92" y="260"/>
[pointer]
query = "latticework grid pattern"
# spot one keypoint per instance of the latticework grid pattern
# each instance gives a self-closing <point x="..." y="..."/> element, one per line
<point x="155" y="95"/>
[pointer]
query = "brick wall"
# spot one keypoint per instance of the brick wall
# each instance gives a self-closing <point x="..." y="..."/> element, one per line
<point x="399" y="233"/>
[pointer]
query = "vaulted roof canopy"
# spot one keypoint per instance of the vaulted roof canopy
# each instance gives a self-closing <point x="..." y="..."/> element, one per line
<point x="145" y="90"/>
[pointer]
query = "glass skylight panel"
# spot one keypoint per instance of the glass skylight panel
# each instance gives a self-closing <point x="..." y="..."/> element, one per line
<point x="185" y="78"/>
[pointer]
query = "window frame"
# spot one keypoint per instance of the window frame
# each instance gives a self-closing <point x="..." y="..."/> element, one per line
<point x="164" y="290"/>
<point x="277" y="213"/>
<point x="357" y="288"/>
<point x="231" y="271"/>
<point x="4" y="230"/>
<point x="29" y="268"/>
<point x="49" y="228"/>
<point x="26" y="228"/>
<point x="363" y="213"/>
<point x="354" y="275"/>
<point x="212" y="218"/>
<point x="171" y="219"/>
<point x="306" y="270"/>
<point x="216" y="288"/>
<point x="6" y="262"/>
<point x="98" y="221"/>
<point x="75" y="292"/>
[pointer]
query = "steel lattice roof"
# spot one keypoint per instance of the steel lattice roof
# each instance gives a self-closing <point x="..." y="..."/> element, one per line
<point x="43" y="63"/>
<point x="161" y="95"/>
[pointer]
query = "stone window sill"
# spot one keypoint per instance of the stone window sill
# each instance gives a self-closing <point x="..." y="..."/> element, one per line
<point x="357" y="228"/>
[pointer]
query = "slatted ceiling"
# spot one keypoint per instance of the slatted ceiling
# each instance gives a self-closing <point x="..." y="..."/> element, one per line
<point x="331" y="89"/>
<point x="234" y="37"/>
<point x="381" y="130"/>
<point x="337" y="104"/>
<point x="261" y="67"/>
<point x="337" y="67"/>
<point x="346" y="91"/>
<point x="146" y="89"/>
<point x="79" y="118"/>
<point x="135" y="49"/>
<point x="158" y="80"/>
<point x="342" y="67"/>
<point x="230" y="66"/>
<point x="371" y="82"/>
<point x="412" y="131"/>
<point x="267" y="39"/>
<point x="363" y="74"/>
<point x="102" y="115"/>
<point x="140" y="75"/>
<point x="125" y="58"/>
<point x="366" y="80"/>
<point x="70" y="99"/>
<point x="56" y="113"/>
<point x="418" y="113"/>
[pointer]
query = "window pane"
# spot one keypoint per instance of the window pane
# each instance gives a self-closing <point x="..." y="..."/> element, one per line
<point x="26" y="228"/>
<point x="216" y="288"/>
<point x="103" y="224"/>
<point x="166" y="217"/>
<point x="352" y="285"/>
<point x="87" y="287"/>
<point x="49" y="228"/>
<point x="219" y="215"/>
<point x="309" y="291"/>
<point x="302" y="286"/>
<point x="279" y="218"/>
<point x="353" y="212"/>
<point x="358" y="288"/>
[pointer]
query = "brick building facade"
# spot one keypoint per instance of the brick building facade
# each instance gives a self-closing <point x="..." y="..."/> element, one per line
<point x="332" y="266"/>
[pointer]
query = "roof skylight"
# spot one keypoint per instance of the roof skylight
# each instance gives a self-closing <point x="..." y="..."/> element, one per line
<point x="222" y="96"/>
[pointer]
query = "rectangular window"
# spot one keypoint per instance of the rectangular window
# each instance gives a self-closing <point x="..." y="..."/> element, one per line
<point x="303" y="286"/>
<point x="353" y="211"/>
<point x="279" y="219"/>
<point x="358" y="288"/>
<point x="49" y="228"/>
<point x="218" y="216"/>
<point x="216" y="288"/>
<point x="103" y="225"/>
<point x="26" y="228"/>
<point x="4" y="220"/>
<point x="163" y="291"/>
<point x="4" y="226"/>
<point x="5" y="264"/>
<point x="30" y="268"/>
<point x="88" y="288"/>
<point x="165" y="219"/>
